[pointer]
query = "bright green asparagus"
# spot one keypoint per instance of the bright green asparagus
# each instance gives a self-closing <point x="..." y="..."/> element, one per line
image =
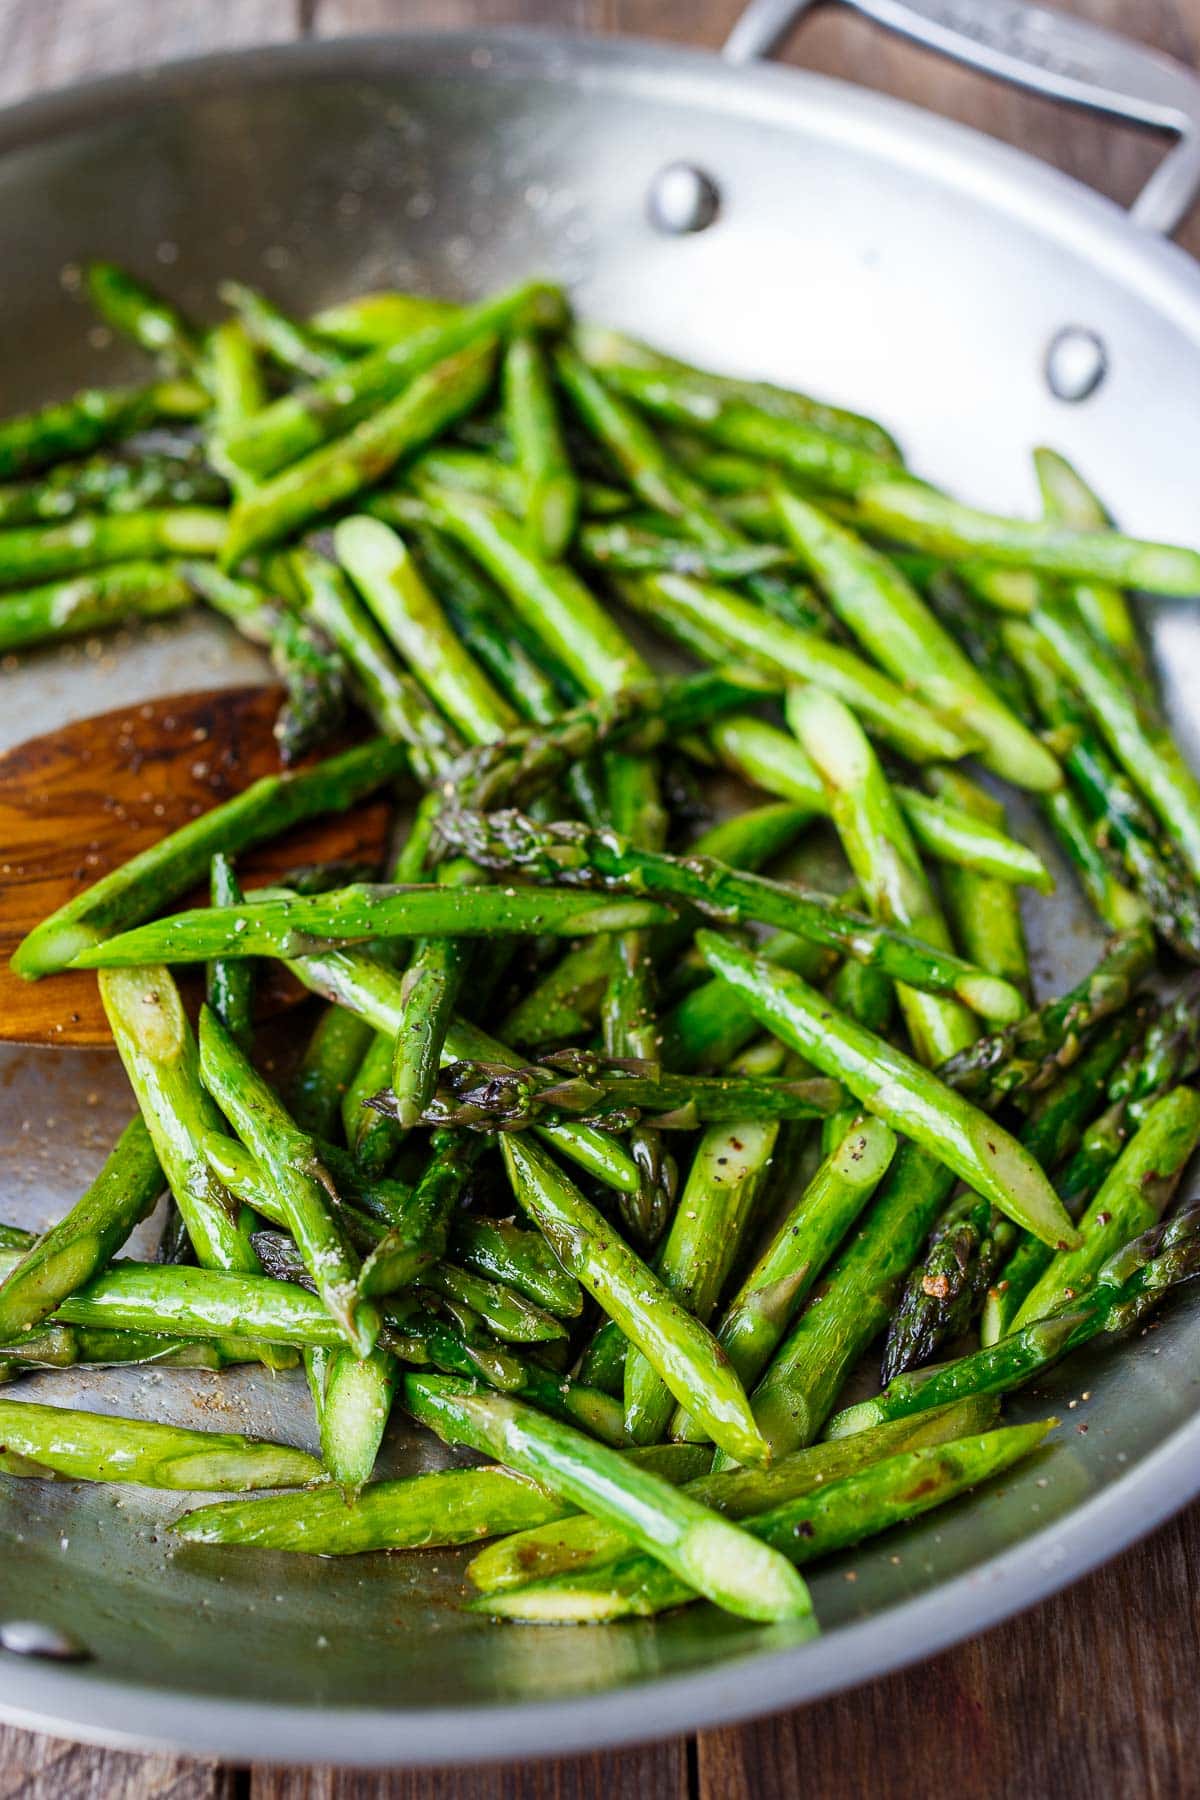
<point x="696" y="1544"/>
<point x="88" y="1446"/>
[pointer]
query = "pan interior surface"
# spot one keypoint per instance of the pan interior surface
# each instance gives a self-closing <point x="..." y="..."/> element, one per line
<point x="860" y="251"/>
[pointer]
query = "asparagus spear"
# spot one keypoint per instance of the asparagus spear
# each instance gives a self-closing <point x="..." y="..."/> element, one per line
<point x="565" y="1002"/>
<point x="230" y="982"/>
<point x="964" y="838"/>
<point x="373" y="991"/>
<point x="728" y="625"/>
<point x="715" y="1212"/>
<point x="605" y="349"/>
<point x="155" y="1043"/>
<point x="393" y="698"/>
<point x="628" y="1006"/>
<point x="96" y="416"/>
<point x="1137" y="1191"/>
<point x="638" y="719"/>
<point x="383" y="571"/>
<point x="625" y="547"/>
<point x="337" y="471"/>
<point x="551" y="489"/>
<point x="982" y="904"/>
<point x="352" y="1396"/>
<point x="1110" y="798"/>
<point x="573" y="853"/>
<point x="889" y="617"/>
<point x="697" y="1545"/>
<point x="710" y="1025"/>
<point x="234" y="375"/>
<point x="381" y="567"/>
<point x="509" y="653"/>
<point x="292" y="345"/>
<point x="417" y="1239"/>
<point x="143" y="1299"/>
<point x="1025" y="1057"/>
<point x="1169" y="1053"/>
<point x="577" y="1541"/>
<point x="983" y="639"/>
<point x="507" y="1314"/>
<point x="292" y="925"/>
<point x="40" y="553"/>
<point x="803" y="1242"/>
<point x="567" y="1084"/>
<point x="970" y="1240"/>
<point x="77" y="1346"/>
<point x="676" y="1345"/>
<point x="75" y="605"/>
<point x="366" y="321"/>
<point x="88" y="1446"/>
<point x="169" y="868"/>
<point x="448" y="1506"/>
<point x="896" y="1089"/>
<point x="1068" y="500"/>
<point x="799" y="1389"/>
<point x="501" y="1250"/>
<point x="947" y="827"/>
<point x="432" y="983"/>
<point x="111" y="482"/>
<point x="71" y="1251"/>
<point x="136" y="311"/>
<point x="930" y="521"/>
<point x="576" y="631"/>
<point x="307" y="418"/>
<point x="882" y="856"/>
<point x="834" y="1517"/>
<point x="305" y="660"/>
<point x="1126" y="1289"/>
<point x="244" y="1176"/>
<point x="737" y="422"/>
<point x="1139" y="740"/>
<point x="373" y="1139"/>
<point x="202" y="1303"/>
<point x="333" y="1053"/>
<point x="293" y="1162"/>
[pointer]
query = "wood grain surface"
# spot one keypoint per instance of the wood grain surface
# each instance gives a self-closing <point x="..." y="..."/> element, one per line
<point x="1092" y="1696"/>
<point x="75" y="802"/>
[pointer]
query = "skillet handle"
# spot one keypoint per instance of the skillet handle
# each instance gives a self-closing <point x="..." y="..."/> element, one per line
<point x="1045" y="50"/>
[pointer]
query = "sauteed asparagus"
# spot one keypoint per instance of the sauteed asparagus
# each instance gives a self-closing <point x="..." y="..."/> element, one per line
<point x="622" y="1213"/>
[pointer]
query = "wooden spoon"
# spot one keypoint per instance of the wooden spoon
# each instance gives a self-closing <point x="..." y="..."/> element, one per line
<point x="77" y="802"/>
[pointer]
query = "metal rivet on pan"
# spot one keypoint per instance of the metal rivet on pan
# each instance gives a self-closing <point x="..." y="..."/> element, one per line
<point x="682" y="198"/>
<point x="1076" y="363"/>
<point x="30" y="1637"/>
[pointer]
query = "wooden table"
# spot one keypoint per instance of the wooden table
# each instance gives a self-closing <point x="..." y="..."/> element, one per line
<point x="1094" y="1693"/>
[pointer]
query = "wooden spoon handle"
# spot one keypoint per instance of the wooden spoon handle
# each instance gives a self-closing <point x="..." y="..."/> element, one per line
<point x="77" y="802"/>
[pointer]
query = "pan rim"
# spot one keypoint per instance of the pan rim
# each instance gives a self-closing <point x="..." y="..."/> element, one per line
<point x="46" y="1698"/>
<point x="84" y="1702"/>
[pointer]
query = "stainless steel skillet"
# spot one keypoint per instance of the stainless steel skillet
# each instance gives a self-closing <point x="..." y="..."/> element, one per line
<point x="858" y="248"/>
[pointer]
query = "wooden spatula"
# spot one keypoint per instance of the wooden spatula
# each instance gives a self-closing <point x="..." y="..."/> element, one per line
<point x="77" y="802"/>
